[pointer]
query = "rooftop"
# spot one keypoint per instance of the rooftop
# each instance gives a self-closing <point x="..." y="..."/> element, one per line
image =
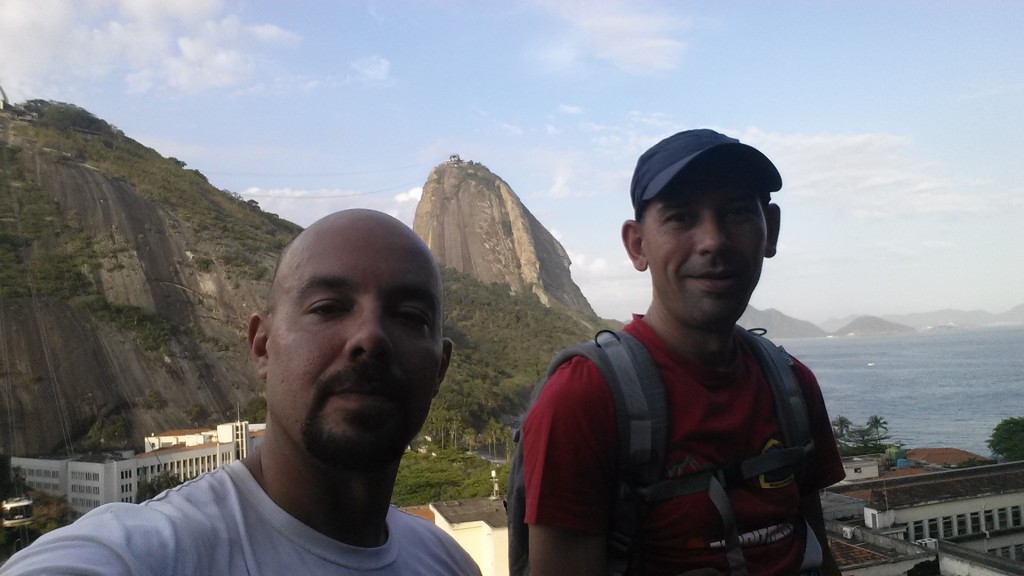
<point x="943" y="456"/>
<point x="492" y="512"/>
<point x="902" y="492"/>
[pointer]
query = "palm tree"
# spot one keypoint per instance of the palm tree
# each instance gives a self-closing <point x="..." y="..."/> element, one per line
<point x="841" y="426"/>
<point x="877" y="424"/>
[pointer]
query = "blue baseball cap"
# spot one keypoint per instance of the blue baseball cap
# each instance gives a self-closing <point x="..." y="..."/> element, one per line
<point x="692" y="151"/>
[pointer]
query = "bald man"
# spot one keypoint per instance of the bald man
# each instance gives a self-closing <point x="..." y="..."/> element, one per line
<point x="350" y="347"/>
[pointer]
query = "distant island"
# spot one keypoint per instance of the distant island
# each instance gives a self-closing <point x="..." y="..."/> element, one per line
<point x="780" y="325"/>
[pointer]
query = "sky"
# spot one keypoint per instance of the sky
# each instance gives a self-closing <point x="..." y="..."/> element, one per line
<point x="898" y="127"/>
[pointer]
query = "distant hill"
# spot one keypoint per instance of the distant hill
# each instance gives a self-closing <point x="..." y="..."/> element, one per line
<point x="779" y="325"/>
<point x="873" y="326"/>
<point x="1012" y="316"/>
<point x="948" y="318"/>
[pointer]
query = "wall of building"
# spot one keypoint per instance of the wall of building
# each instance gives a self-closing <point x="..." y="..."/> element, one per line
<point x="944" y="520"/>
<point x="90" y="481"/>
<point x="959" y="561"/>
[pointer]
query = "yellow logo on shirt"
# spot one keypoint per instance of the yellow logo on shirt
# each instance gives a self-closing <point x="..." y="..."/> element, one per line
<point x="775" y="478"/>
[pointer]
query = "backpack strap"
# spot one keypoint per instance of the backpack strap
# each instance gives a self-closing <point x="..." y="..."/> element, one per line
<point x="790" y="407"/>
<point x="641" y="416"/>
<point x="641" y="422"/>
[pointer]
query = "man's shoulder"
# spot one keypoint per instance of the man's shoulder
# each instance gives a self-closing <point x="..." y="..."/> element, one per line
<point x="426" y="544"/>
<point x="114" y="538"/>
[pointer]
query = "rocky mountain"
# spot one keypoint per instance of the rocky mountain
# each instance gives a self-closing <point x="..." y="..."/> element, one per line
<point x="474" y="223"/>
<point x="125" y="285"/>
<point x="873" y="326"/>
<point x="778" y="325"/>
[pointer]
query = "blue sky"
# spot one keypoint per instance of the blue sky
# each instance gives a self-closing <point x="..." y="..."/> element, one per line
<point x="898" y="127"/>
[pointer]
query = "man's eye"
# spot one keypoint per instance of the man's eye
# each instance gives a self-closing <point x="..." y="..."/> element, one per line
<point x="327" y="308"/>
<point x="743" y="210"/>
<point x="681" y="217"/>
<point x="415" y="316"/>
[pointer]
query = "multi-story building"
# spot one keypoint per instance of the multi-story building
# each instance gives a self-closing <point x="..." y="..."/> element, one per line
<point x="981" y="508"/>
<point x="93" y="479"/>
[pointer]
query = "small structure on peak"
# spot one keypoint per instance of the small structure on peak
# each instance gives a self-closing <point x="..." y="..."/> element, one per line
<point x="454" y="159"/>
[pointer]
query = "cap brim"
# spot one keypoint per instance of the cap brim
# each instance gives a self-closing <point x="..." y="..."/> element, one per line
<point x="732" y="157"/>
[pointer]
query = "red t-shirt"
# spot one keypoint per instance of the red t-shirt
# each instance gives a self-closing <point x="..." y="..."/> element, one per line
<point x="718" y="417"/>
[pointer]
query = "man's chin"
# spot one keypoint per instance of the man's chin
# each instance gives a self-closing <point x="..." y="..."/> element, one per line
<point x="364" y="442"/>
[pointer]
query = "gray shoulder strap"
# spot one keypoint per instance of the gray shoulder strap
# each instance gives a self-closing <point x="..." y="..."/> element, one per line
<point x="790" y="407"/>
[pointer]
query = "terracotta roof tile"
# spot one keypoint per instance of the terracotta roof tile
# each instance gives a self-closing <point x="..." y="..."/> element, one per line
<point x="942" y="456"/>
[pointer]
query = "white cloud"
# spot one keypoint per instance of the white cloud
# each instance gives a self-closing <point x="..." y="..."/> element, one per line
<point x="872" y="176"/>
<point x="372" y="69"/>
<point x="567" y="109"/>
<point x="410" y="196"/>
<point x="186" y="46"/>
<point x="620" y="33"/>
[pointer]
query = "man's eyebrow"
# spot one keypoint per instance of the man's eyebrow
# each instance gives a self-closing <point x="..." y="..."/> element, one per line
<point x="342" y="284"/>
<point x="329" y="283"/>
<point x="417" y="292"/>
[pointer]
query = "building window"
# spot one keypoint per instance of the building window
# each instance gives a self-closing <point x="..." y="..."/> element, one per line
<point x="933" y="527"/>
<point x="975" y="522"/>
<point x="961" y="524"/>
<point x="916" y="530"/>
<point x="1004" y="517"/>
<point x="990" y="520"/>
<point x="1015" y="516"/>
<point x="947" y="526"/>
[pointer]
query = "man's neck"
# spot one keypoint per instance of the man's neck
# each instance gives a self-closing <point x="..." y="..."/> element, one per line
<point x="348" y="506"/>
<point x="711" y="348"/>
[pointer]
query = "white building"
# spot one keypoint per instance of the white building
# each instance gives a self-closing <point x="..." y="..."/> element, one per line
<point x="480" y="526"/>
<point x="94" y="479"/>
<point x="980" y="508"/>
<point x="861" y="467"/>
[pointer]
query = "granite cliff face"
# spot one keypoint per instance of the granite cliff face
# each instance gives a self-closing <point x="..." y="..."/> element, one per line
<point x="474" y="223"/>
<point x="125" y="285"/>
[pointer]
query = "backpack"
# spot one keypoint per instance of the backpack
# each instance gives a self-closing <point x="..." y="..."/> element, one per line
<point x="642" y="425"/>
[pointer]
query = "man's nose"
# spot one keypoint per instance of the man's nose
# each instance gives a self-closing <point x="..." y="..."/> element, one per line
<point x="367" y="335"/>
<point x="710" y="233"/>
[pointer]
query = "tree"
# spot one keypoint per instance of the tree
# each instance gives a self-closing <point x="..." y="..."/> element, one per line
<point x="155" y="485"/>
<point x="1007" y="441"/>
<point x="256" y="409"/>
<point x="841" y="426"/>
<point x="493" y="433"/>
<point x="877" y="424"/>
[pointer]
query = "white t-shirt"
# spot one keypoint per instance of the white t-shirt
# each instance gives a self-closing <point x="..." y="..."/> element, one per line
<point x="224" y="523"/>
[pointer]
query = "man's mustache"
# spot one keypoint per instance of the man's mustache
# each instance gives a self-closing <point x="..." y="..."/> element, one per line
<point x="367" y="377"/>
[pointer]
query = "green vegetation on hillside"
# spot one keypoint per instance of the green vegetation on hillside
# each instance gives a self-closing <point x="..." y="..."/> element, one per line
<point x="238" y="227"/>
<point x="502" y="345"/>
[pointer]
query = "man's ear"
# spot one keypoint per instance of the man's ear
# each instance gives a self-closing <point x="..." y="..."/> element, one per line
<point x="446" y="357"/>
<point x="633" y="241"/>
<point x="259" y="323"/>
<point x="773" y="221"/>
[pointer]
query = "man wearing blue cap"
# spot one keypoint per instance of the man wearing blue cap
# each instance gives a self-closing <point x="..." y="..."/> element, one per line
<point x="703" y="225"/>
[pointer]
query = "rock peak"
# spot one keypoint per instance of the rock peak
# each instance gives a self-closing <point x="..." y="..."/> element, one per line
<point x="473" y="222"/>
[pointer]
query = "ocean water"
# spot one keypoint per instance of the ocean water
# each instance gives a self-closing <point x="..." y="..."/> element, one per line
<point x="943" y="388"/>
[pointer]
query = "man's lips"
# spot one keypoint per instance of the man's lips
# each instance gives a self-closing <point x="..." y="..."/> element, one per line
<point x="716" y="282"/>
